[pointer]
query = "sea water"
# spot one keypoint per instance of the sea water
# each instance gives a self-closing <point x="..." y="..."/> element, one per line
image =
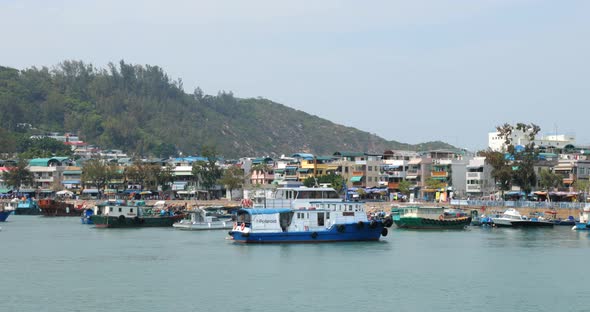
<point x="58" y="264"/>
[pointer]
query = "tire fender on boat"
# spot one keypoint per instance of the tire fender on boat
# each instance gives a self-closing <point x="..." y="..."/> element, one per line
<point x="373" y="224"/>
<point x="384" y="232"/>
<point x="341" y="228"/>
<point x="121" y="218"/>
<point x="314" y="235"/>
<point x="360" y="224"/>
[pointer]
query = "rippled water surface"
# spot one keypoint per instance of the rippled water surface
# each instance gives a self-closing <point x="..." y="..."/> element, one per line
<point x="58" y="264"/>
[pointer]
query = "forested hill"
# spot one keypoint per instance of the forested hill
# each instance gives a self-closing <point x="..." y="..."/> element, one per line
<point x="141" y="110"/>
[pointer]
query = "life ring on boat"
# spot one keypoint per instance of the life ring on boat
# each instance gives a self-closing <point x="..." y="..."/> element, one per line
<point x="314" y="235"/>
<point x="235" y="225"/>
<point x="121" y="218"/>
<point x="441" y="218"/>
<point x="384" y="232"/>
<point x="242" y="226"/>
<point x="246" y="202"/>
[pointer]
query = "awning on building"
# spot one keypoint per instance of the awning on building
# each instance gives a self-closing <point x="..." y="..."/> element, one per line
<point x="356" y="179"/>
<point x="411" y="177"/>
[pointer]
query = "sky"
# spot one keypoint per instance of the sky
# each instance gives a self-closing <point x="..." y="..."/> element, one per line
<point x="410" y="71"/>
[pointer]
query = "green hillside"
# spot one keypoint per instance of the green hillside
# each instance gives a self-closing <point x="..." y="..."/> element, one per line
<point x="141" y="110"/>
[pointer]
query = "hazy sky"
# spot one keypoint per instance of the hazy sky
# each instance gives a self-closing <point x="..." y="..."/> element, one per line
<point x="411" y="71"/>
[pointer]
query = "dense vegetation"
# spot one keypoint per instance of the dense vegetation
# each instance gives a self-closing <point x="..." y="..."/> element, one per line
<point x="141" y="110"/>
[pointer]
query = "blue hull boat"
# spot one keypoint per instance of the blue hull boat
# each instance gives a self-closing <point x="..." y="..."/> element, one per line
<point x="323" y="222"/>
<point x="338" y="233"/>
<point x="4" y="215"/>
<point x="580" y="226"/>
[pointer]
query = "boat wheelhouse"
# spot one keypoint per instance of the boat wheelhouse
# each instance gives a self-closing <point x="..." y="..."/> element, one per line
<point x="121" y="214"/>
<point x="512" y="218"/>
<point x="206" y="218"/>
<point x="297" y="197"/>
<point x="584" y="223"/>
<point x="322" y="222"/>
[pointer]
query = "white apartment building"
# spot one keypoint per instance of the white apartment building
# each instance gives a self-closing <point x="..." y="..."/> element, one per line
<point x="496" y="143"/>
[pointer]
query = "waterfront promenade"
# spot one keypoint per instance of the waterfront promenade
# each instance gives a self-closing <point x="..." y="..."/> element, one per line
<point x="562" y="210"/>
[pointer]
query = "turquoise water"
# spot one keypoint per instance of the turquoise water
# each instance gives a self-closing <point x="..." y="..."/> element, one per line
<point x="58" y="264"/>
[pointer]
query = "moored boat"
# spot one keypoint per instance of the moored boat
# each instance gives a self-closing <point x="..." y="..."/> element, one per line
<point x="206" y="218"/>
<point x="86" y="214"/>
<point x="58" y="208"/>
<point x="4" y="214"/>
<point x="132" y="214"/>
<point x="7" y="209"/>
<point x="512" y="218"/>
<point x="27" y="206"/>
<point x="429" y="218"/>
<point x="323" y="222"/>
<point x="584" y="223"/>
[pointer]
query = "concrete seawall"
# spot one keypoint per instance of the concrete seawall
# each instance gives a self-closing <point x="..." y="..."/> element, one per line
<point x="370" y="206"/>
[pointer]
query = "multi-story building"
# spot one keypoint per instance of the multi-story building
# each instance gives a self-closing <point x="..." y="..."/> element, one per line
<point x="48" y="173"/>
<point x="479" y="178"/>
<point x="394" y="168"/>
<point x="558" y="141"/>
<point x="359" y="169"/>
<point x="72" y="178"/>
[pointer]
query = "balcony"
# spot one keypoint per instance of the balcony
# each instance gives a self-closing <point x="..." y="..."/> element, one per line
<point x="474" y="175"/>
<point x="44" y="179"/>
<point x="394" y="174"/>
<point x="439" y="174"/>
<point x="393" y="185"/>
<point x="473" y="188"/>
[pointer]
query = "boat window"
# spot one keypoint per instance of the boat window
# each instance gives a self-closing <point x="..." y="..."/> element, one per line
<point x="131" y="210"/>
<point x="111" y="209"/>
<point x="331" y="194"/>
<point x="327" y="216"/>
<point x="320" y="218"/>
<point x="349" y="207"/>
<point x="120" y="209"/>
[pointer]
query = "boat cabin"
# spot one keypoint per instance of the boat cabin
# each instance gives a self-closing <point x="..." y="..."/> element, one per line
<point x="320" y="215"/>
<point x="117" y="208"/>
<point x="297" y="197"/>
<point x="419" y="212"/>
<point x="11" y="205"/>
<point x="209" y="214"/>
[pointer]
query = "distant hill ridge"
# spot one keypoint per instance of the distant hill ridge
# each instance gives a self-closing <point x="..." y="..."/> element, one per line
<point x="141" y="110"/>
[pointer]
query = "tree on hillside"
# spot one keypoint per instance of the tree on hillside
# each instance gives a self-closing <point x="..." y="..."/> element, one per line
<point x="18" y="176"/>
<point x="41" y="148"/>
<point x="232" y="178"/>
